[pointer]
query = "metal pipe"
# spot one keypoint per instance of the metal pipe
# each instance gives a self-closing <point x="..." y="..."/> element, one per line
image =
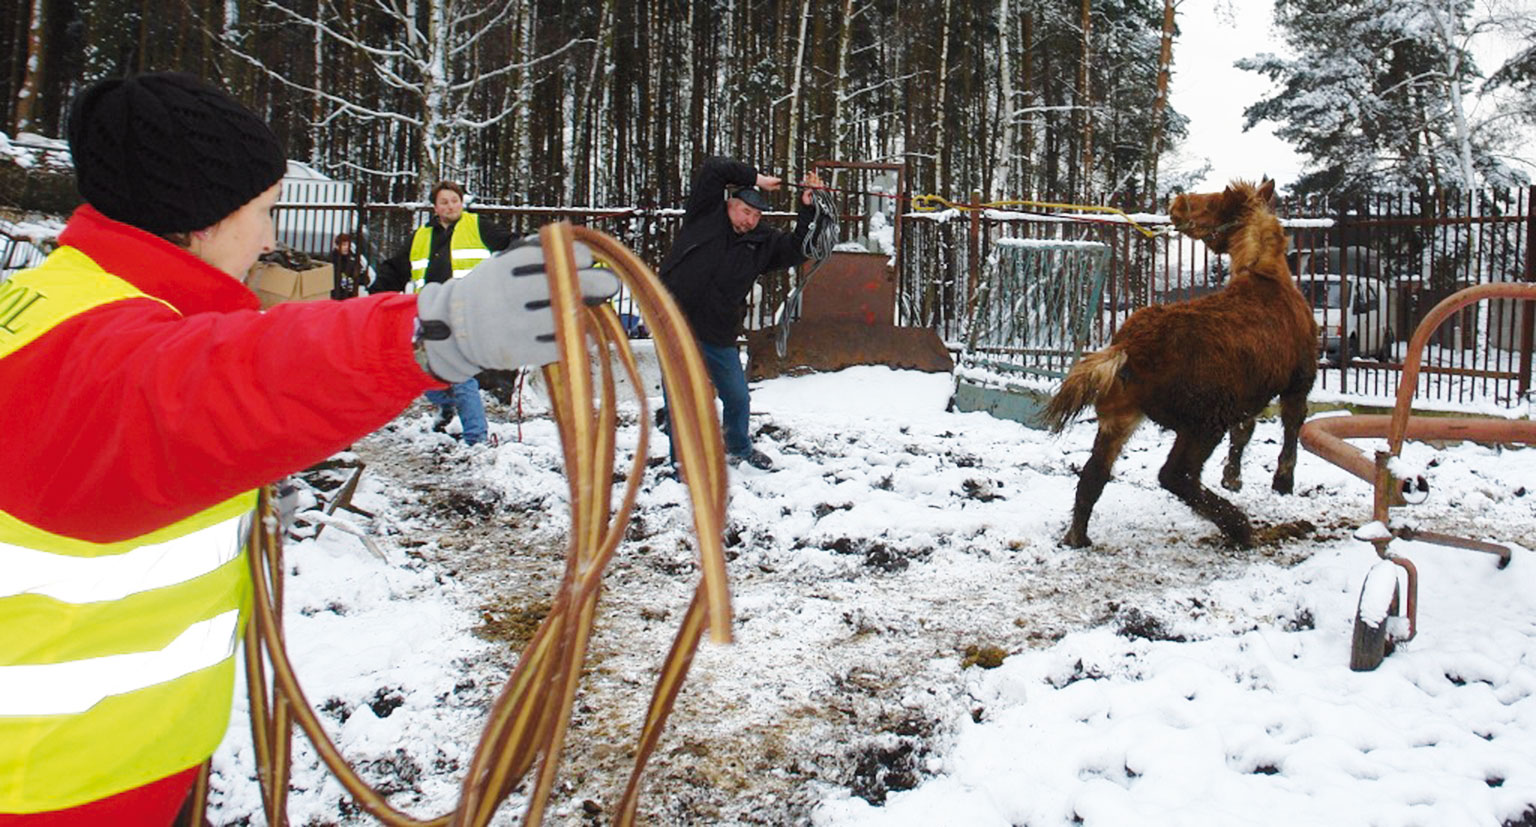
<point x="1439" y="313"/>
<point x="1325" y="437"/>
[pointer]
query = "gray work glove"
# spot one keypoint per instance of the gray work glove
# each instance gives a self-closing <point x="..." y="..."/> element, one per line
<point x="497" y="315"/>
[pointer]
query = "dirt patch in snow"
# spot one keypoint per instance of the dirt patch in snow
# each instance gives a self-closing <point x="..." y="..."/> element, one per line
<point x="854" y="644"/>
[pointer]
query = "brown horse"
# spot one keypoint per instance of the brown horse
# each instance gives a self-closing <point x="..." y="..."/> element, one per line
<point x="1201" y="367"/>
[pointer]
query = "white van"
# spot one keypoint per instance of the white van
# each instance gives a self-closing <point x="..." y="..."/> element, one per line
<point x="1350" y="300"/>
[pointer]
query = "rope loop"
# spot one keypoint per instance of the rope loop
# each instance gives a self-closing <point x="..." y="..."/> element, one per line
<point x="820" y="238"/>
<point x="527" y="722"/>
<point x="935" y="203"/>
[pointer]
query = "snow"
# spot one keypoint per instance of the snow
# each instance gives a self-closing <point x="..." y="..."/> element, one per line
<point x="29" y="150"/>
<point x="1156" y="678"/>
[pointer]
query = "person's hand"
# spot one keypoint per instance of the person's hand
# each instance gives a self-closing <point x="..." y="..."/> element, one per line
<point x="808" y="185"/>
<point x="497" y="315"/>
<point x="768" y="182"/>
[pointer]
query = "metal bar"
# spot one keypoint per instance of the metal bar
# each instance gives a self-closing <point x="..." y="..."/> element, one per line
<point x="1441" y="539"/>
<point x="1325" y="436"/>
<point x="1438" y="222"/>
<point x="1411" y="610"/>
<point x="1448" y="306"/>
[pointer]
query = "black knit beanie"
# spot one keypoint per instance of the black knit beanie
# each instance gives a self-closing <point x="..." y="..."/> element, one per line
<point x="166" y="152"/>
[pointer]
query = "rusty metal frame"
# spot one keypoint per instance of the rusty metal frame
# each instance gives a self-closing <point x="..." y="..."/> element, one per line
<point x="1326" y="438"/>
<point x="903" y="198"/>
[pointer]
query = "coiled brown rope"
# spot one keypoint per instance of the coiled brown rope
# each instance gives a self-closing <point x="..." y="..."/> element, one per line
<point x="527" y="722"/>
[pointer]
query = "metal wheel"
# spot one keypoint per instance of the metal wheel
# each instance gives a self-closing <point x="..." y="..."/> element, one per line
<point x="1371" y="642"/>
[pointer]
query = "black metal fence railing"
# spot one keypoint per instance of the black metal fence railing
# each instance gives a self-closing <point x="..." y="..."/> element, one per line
<point x="1372" y="272"/>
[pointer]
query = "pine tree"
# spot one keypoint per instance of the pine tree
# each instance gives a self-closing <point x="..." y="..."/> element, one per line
<point x="1375" y="96"/>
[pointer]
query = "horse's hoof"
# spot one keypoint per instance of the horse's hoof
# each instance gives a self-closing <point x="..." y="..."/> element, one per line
<point x="1283" y="486"/>
<point x="1232" y="484"/>
<point x="1076" y="539"/>
<point x="1242" y="539"/>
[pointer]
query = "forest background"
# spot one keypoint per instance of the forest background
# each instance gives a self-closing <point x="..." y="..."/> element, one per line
<point x="582" y="103"/>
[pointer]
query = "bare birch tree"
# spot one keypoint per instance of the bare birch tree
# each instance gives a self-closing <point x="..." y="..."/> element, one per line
<point x="420" y="49"/>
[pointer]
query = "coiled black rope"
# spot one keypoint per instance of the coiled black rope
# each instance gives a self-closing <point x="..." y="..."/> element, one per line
<point x="820" y="238"/>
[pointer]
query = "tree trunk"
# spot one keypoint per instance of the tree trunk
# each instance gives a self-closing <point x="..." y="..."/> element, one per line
<point x="1160" y="103"/>
<point x="32" y="77"/>
<point x="793" y="147"/>
<point x="1006" y="175"/>
<point x="839" y="147"/>
<point x="1084" y="168"/>
<point x="941" y="81"/>
<point x="1027" y="149"/>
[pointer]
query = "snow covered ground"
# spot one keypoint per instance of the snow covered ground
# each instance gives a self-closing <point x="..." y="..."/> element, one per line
<point x="880" y="573"/>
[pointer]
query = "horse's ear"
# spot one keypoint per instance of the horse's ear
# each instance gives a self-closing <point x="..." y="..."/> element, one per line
<point x="1266" y="191"/>
<point x="1232" y="199"/>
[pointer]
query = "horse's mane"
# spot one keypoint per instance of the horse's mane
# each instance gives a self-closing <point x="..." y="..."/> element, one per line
<point x="1257" y="244"/>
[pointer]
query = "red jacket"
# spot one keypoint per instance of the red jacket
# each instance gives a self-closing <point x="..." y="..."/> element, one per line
<point x="131" y="416"/>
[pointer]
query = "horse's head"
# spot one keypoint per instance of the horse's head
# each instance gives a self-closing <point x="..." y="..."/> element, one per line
<point x="1213" y="216"/>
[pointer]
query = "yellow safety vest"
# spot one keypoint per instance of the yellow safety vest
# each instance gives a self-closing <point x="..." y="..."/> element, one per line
<point x="465" y="247"/>
<point x="116" y="659"/>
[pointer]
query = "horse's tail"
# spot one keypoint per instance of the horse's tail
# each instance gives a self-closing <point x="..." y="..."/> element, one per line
<point x="1089" y="379"/>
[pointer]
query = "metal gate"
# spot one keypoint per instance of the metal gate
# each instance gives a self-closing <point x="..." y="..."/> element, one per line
<point x="1031" y="320"/>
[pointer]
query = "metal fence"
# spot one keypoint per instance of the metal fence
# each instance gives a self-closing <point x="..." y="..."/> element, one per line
<point x="17" y="253"/>
<point x="1372" y="271"/>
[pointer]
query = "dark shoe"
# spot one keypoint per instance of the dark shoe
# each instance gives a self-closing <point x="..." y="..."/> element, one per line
<point x="755" y="458"/>
<point x="488" y="441"/>
<point x="444" y="419"/>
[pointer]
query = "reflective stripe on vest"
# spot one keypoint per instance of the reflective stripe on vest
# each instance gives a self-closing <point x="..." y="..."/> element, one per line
<point x="94" y="579"/>
<point x="116" y="659"/>
<point x="465" y="247"/>
<point x="78" y="685"/>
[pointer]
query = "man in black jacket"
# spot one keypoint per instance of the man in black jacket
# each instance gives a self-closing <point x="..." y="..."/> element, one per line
<point x="717" y="256"/>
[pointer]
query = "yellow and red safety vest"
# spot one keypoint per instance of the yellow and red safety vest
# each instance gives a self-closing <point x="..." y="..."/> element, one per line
<point x="124" y="672"/>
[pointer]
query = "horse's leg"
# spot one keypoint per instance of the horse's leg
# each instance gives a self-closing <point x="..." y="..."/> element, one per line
<point x="1232" y="472"/>
<point x="1181" y="476"/>
<point x="1116" y="423"/>
<point x="1293" y="409"/>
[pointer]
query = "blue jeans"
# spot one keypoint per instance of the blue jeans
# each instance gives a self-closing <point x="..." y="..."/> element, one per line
<point x="465" y="397"/>
<point x="724" y="367"/>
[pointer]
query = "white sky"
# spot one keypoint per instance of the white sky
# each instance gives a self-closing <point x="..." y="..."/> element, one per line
<point x="1212" y="92"/>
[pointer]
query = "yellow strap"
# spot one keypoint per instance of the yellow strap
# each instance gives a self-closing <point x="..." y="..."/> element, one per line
<point x="933" y="203"/>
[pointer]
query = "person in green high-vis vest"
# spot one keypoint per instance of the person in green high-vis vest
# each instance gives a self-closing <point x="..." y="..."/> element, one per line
<point x="447" y="247"/>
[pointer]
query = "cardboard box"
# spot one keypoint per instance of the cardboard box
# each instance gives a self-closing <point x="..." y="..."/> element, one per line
<point x="274" y="283"/>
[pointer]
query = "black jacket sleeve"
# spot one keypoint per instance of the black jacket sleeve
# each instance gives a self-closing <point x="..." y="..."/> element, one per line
<point x="495" y="236"/>
<point x="789" y="248"/>
<point x="393" y="272"/>
<point x="710" y="180"/>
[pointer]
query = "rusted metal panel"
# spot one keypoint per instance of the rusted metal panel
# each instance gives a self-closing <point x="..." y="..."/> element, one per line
<point x="828" y="345"/>
<point x="857" y="288"/>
